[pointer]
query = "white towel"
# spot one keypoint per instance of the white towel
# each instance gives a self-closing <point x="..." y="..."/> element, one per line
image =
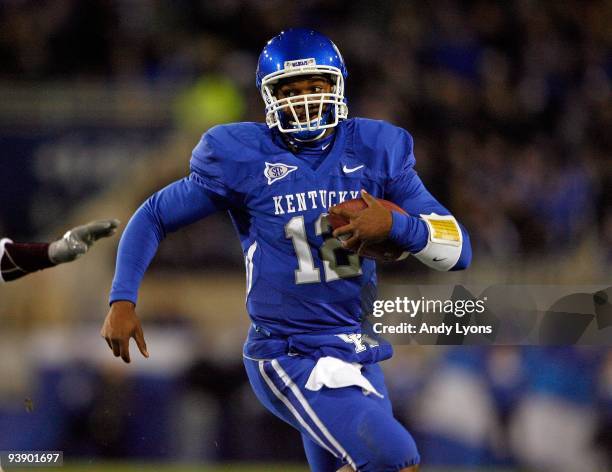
<point x="332" y="372"/>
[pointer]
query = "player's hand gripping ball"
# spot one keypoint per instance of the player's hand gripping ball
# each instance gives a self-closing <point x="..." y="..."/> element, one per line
<point x="344" y="218"/>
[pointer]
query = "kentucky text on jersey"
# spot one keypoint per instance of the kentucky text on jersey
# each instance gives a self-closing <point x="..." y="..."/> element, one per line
<point x="311" y="200"/>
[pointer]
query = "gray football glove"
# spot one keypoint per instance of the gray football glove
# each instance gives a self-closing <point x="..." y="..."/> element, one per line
<point x="78" y="240"/>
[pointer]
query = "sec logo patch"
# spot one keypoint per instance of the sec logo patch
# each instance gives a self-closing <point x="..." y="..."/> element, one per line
<point x="274" y="172"/>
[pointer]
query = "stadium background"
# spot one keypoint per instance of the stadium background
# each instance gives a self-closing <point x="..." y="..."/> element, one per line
<point x="510" y="104"/>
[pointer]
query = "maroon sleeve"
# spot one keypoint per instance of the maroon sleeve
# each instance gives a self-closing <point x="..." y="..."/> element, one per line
<point x="20" y="259"/>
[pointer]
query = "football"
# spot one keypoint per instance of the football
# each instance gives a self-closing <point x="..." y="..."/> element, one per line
<point x="384" y="251"/>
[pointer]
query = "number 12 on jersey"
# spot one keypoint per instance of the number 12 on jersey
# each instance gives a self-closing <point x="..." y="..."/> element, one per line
<point x="330" y="251"/>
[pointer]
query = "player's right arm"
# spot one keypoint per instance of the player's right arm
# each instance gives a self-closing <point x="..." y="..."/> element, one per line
<point x="177" y="205"/>
<point x="206" y="190"/>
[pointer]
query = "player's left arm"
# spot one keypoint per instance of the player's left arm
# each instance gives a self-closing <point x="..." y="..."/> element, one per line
<point x="429" y="231"/>
<point x="19" y="259"/>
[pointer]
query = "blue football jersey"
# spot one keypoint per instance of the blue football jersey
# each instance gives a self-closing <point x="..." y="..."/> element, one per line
<point x="299" y="278"/>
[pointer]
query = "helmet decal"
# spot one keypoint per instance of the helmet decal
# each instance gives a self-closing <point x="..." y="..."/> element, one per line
<point x="300" y="63"/>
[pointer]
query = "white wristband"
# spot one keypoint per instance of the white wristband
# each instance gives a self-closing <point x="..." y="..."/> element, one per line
<point x="443" y="247"/>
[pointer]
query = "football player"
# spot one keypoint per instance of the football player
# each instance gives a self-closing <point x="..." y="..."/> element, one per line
<point x="305" y="355"/>
<point x="19" y="259"/>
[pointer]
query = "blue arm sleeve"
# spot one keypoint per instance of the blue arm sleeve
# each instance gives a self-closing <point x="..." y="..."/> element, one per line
<point x="410" y="232"/>
<point x="177" y="205"/>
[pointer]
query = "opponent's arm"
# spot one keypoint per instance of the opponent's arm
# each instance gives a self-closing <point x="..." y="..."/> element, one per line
<point x="19" y="259"/>
<point x="177" y="205"/>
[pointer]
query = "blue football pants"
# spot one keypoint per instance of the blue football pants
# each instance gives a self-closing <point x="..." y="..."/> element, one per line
<point x="338" y="425"/>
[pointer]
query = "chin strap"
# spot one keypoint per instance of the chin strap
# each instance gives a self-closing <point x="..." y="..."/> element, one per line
<point x="308" y="139"/>
<point x="296" y="144"/>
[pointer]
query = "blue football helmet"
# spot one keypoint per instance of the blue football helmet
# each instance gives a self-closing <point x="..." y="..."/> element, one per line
<point x="297" y="52"/>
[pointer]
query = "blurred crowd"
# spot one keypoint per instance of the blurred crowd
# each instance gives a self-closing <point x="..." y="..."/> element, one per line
<point x="541" y="408"/>
<point x="510" y="103"/>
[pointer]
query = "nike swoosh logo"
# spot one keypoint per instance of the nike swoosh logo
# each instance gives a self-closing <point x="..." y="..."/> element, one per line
<point x="438" y="259"/>
<point x="346" y="170"/>
<point x="325" y="147"/>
